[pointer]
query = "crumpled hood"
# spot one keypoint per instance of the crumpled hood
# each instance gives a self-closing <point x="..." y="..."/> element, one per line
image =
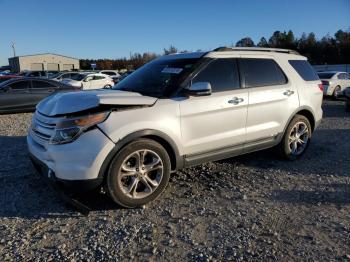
<point x="72" y="102"/>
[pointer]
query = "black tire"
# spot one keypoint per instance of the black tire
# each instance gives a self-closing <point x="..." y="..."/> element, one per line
<point x="107" y="87"/>
<point x="336" y="91"/>
<point x="115" y="184"/>
<point x="285" y="144"/>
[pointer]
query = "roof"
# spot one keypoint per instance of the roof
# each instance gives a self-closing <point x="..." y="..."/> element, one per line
<point x="257" y="49"/>
<point x="231" y="50"/>
<point x="45" y="54"/>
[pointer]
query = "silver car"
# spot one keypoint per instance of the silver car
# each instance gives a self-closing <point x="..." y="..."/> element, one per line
<point x="176" y="111"/>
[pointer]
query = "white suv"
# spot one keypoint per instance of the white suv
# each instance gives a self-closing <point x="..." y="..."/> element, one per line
<point x="176" y="111"/>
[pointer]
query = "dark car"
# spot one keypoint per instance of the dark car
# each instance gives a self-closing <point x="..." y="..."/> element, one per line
<point x="346" y="94"/>
<point x="23" y="94"/>
<point x="41" y="74"/>
<point x="4" y="78"/>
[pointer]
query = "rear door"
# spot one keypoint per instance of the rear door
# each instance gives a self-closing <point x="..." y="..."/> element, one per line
<point x="215" y="122"/>
<point x="272" y="99"/>
<point x="41" y="89"/>
<point x="16" y="96"/>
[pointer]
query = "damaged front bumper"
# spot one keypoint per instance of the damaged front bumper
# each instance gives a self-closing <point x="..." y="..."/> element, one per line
<point x="66" y="189"/>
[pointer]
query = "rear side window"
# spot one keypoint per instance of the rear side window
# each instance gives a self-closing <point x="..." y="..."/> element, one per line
<point x="304" y="69"/>
<point x="343" y="76"/>
<point x="261" y="72"/>
<point x="222" y="74"/>
<point x="99" y="77"/>
<point x="109" y="73"/>
<point x="42" y="84"/>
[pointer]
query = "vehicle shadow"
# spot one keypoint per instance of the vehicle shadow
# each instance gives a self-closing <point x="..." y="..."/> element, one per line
<point x="327" y="155"/>
<point x="338" y="194"/>
<point x="335" y="109"/>
<point x="25" y="194"/>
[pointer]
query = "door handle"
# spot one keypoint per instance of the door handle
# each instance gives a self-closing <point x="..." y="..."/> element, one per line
<point x="235" y="100"/>
<point x="288" y="92"/>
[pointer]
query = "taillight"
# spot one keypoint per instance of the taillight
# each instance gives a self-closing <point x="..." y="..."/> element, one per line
<point x="320" y="86"/>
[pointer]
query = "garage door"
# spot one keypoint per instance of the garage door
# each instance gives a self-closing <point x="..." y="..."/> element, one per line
<point x="68" y="67"/>
<point x="37" y="66"/>
<point x="52" y="67"/>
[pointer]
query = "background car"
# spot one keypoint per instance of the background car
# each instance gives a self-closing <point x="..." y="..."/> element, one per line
<point x="63" y="75"/>
<point x="346" y="95"/>
<point x="6" y="72"/>
<point x="23" y="94"/>
<point x="89" y="81"/>
<point x="7" y="77"/>
<point x="113" y="74"/>
<point x="334" y="82"/>
<point x="41" y="74"/>
<point x="110" y="72"/>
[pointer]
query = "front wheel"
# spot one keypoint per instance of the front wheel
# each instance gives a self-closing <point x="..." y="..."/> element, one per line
<point x="296" y="139"/>
<point x="139" y="173"/>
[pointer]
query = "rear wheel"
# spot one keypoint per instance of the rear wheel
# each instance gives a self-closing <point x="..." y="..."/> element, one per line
<point x="296" y="138"/>
<point x="336" y="92"/>
<point x="139" y="173"/>
<point x="107" y="86"/>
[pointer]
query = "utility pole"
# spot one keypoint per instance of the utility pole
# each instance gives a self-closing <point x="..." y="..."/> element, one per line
<point x="13" y="48"/>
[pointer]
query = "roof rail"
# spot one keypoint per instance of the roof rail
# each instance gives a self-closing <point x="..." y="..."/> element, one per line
<point x="260" y="49"/>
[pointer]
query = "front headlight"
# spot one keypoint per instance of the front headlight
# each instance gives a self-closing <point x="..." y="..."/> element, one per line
<point x="70" y="129"/>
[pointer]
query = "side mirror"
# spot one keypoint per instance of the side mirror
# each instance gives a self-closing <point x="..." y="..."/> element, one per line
<point x="199" y="89"/>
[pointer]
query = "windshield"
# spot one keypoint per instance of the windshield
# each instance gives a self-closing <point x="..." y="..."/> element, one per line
<point x="157" y="78"/>
<point x="78" y="77"/>
<point x="325" y="75"/>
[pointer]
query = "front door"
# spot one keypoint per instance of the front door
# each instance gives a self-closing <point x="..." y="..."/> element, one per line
<point x="215" y="122"/>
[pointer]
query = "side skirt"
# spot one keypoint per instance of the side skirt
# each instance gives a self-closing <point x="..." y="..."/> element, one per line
<point x="227" y="152"/>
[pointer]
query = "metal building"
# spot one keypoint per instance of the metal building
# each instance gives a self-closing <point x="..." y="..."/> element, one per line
<point x="40" y="62"/>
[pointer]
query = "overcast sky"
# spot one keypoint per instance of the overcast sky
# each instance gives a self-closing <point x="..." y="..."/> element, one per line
<point x="112" y="29"/>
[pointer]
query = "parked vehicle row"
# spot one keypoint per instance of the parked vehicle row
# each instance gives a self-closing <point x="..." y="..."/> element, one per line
<point x="334" y="83"/>
<point x="23" y="94"/>
<point x="17" y="91"/>
<point x="176" y="111"/>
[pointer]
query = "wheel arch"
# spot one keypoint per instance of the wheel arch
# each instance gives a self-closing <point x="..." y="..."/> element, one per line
<point x="160" y="137"/>
<point x="306" y="112"/>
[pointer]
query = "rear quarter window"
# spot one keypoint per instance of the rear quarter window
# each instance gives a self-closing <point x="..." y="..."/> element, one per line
<point x="304" y="69"/>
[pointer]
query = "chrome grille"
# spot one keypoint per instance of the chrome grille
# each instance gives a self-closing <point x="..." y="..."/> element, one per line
<point x="43" y="127"/>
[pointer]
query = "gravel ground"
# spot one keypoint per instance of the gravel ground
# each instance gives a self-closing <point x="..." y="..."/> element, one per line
<point x="253" y="207"/>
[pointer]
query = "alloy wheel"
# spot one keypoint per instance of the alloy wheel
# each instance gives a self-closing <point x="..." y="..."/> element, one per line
<point x="140" y="174"/>
<point x="298" y="138"/>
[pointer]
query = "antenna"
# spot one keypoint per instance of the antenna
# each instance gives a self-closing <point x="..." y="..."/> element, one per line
<point x="13" y="44"/>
